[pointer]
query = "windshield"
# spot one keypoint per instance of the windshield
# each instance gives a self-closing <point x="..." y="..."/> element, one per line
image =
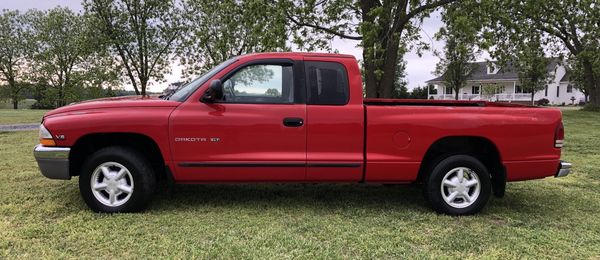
<point x="184" y="92"/>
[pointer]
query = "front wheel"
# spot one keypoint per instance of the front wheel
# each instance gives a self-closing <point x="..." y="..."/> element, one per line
<point x="458" y="185"/>
<point x="116" y="179"/>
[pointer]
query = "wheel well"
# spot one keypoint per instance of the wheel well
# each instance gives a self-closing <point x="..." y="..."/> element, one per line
<point x="481" y="148"/>
<point x="88" y="144"/>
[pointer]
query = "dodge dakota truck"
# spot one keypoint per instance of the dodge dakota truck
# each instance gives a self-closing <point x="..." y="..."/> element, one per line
<point x="296" y="117"/>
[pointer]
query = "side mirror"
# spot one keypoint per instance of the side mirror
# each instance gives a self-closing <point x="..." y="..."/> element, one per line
<point x="214" y="92"/>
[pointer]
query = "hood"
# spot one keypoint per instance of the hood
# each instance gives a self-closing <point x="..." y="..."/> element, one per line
<point x="115" y="102"/>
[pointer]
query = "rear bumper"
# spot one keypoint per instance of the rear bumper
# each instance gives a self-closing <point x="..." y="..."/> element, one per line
<point x="53" y="161"/>
<point x="564" y="169"/>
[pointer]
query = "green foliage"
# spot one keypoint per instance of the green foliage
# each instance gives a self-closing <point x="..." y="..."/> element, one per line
<point x="383" y="29"/>
<point x="218" y="30"/>
<point x="400" y="85"/>
<point x="419" y="93"/>
<point x="489" y="90"/>
<point x="532" y="66"/>
<point x="15" y="49"/>
<point x="564" y="27"/>
<point x="460" y="35"/>
<point x="66" y="58"/>
<point x="144" y="35"/>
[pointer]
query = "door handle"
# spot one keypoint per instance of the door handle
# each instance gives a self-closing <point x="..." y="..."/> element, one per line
<point x="293" y="122"/>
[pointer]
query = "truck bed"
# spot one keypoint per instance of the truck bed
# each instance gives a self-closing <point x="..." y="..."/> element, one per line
<point x="425" y="102"/>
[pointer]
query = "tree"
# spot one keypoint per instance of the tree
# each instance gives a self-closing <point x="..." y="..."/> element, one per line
<point x="531" y="66"/>
<point x="565" y="26"/>
<point x="400" y="85"/>
<point x="218" y="30"/>
<point x="272" y="92"/>
<point x="60" y="52"/>
<point x="143" y="34"/>
<point x="419" y="93"/>
<point x="456" y="64"/>
<point x="490" y="90"/>
<point x="15" y="49"/>
<point x="381" y="27"/>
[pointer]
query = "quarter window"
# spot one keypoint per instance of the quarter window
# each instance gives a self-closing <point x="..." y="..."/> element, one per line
<point x="327" y="83"/>
<point x="271" y="84"/>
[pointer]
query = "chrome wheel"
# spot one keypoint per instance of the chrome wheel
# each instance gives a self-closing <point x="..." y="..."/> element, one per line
<point x="112" y="184"/>
<point x="460" y="187"/>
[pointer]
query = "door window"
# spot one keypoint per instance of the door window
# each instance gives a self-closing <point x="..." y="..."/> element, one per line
<point x="269" y="84"/>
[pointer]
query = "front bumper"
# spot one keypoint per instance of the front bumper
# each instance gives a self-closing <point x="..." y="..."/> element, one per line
<point x="564" y="169"/>
<point x="53" y="161"/>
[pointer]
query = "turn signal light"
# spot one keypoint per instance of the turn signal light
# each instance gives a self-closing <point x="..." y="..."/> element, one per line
<point x="45" y="137"/>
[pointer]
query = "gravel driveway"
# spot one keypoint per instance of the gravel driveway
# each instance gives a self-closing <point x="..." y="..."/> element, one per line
<point x="19" y="127"/>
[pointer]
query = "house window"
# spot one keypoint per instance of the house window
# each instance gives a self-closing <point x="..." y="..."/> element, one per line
<point x="520" y="90"/>
<point x="475" y="90"/>
<point x="557" y="91"/>
<point x="569" y="88"/>
<point x="501" y="89"/>
<point x="546" y="91"/>
<point x="448" y="91"/>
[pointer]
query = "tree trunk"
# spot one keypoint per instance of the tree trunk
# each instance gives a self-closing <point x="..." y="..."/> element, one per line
<point x="590" y="83"/>
<point x="143" y="84"/>
<point x="532" y="97"/>
<point x="15" y="103"/>
<point x="456" y="93"/>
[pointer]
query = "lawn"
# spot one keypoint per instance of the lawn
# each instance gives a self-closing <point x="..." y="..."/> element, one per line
<point x="21" y="116"/>
<point x="550" y="218"/>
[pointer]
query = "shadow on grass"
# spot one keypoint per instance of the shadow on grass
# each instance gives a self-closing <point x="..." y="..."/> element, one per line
<point x="292" y="196"/>
<point x="350" y="198"/>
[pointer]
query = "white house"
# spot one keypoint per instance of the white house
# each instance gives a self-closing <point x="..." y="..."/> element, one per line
<point x="559" y="91"/>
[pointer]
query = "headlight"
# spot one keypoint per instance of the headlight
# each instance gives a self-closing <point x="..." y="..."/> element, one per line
<point x="46" y="137"/>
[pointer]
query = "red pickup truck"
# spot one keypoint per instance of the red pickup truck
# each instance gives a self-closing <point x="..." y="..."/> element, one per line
<point x="296" y="117"/>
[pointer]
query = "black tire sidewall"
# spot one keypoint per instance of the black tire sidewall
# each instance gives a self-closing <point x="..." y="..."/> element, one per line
<point x="141" y="172"/>
<point x="434" y="181"/>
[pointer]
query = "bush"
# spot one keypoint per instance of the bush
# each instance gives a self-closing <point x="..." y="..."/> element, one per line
<point x="543" y="102"/>
<point x="43" y="104"/>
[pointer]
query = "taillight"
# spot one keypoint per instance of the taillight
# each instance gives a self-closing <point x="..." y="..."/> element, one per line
<point x="559" y="136"/>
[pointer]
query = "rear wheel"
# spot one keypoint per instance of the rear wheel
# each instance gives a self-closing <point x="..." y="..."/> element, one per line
<point x="458" y="185"/>
<point x="116" y="179"/>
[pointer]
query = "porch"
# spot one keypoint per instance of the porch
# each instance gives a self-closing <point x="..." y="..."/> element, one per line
<point x="502" y="91"/>
<point x="495" y="97"/>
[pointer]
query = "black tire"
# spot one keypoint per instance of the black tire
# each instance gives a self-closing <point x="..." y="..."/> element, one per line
<point x="141" y="173"/>
<point x="434" y="189"/>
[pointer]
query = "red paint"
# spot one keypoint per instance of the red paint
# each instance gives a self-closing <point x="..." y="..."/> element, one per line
<point x="253" y="145"/>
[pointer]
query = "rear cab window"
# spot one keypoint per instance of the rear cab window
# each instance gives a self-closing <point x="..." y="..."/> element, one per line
<point x="327" y="83"/>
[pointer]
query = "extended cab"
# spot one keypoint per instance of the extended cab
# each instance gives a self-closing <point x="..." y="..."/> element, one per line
<point x="296" y="117"/>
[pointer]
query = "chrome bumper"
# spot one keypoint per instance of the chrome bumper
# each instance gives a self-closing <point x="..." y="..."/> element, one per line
<point x="53" y="161"/>
<point x="564" y="169"/>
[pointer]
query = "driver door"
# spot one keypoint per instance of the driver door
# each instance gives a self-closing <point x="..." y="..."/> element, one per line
<point x="256" y="132"/>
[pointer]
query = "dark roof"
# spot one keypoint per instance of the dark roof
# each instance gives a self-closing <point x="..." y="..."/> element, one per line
<point x="506" y="73"/>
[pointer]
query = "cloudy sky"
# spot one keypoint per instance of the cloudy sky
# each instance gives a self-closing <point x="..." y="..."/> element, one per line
<point x="419" y="69"/>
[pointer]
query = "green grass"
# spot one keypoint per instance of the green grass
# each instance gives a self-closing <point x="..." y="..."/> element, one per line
<point x="21" y="116"/>
<point x="550" y="218"/>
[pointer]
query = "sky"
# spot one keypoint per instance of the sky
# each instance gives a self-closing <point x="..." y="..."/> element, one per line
<point x="418" y="69"/>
